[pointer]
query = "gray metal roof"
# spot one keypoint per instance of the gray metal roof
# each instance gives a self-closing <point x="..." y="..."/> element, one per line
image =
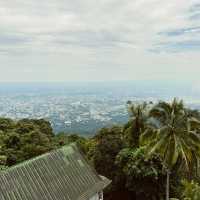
<point x="62" y="174"/>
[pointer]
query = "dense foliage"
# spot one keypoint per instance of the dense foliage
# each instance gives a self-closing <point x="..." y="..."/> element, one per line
<point x="27" y="138"/>
<point x="158" y="140"/>
<point x="191" y="190"/>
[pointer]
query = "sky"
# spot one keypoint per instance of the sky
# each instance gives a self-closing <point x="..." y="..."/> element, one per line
<point x="92" y="40"/>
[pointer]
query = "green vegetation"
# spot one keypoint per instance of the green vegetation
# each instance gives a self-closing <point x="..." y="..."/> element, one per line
<point x="191" y="190"/>
<point x="173" y="135"/>
<point x="154" y="156"/>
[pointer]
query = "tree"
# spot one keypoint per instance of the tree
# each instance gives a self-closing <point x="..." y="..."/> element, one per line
<point x="102" y="152"/>
<point x="108" y="143"/>
<point x="27" y="125"/>
<point x="63" y="138"/>
<point x="191" y="190"/>
<point x="170" y="133"/>
<point x="144" y="177"/>
<point x="6" y="124"/>
<point x="24" y="139"/>
<point x="136" y="125"/>
<point x="2" y="161"/>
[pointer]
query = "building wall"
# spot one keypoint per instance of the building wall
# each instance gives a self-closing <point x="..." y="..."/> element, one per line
<point x="98" y="196"/>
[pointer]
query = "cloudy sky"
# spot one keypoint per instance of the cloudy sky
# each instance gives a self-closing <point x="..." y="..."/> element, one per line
<point x="78" y="40"/>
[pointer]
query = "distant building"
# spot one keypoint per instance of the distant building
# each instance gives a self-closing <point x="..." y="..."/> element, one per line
<point x="62" y="174"/>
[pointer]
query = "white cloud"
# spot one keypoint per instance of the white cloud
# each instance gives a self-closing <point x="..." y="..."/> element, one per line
<point x="94" y="40"/>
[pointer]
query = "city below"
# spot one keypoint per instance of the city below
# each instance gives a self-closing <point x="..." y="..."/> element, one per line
<point x="84" y="107"/>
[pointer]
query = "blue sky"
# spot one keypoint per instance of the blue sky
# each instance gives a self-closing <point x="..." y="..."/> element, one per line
<point x="92" y="40"/>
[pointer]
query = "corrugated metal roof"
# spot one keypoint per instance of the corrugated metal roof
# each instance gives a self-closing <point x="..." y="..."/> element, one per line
<point x="62" y="174"/>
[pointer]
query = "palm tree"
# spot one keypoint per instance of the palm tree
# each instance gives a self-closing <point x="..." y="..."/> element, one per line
<point x="172" y="133"/>
<point x="136" y="125"/>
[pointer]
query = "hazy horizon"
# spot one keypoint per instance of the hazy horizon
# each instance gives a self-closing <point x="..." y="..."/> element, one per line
<point x="84" y="107"/>
<point x="175" y="87"/>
